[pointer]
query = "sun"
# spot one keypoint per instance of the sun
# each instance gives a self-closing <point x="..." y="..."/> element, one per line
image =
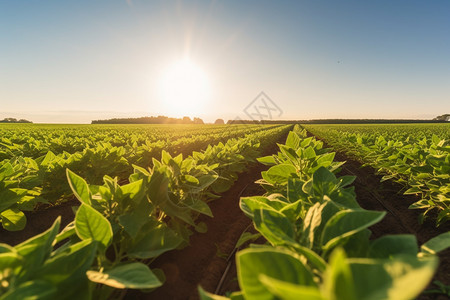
<point x="184" y="89"/>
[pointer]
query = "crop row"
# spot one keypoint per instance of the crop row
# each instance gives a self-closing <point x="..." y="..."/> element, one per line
<point x="27" y="181"/>
<point x="118" y="229"/>
<point x="417" y="156"/>
<point x="318" y="241"/>
<point x="36" y="140"/>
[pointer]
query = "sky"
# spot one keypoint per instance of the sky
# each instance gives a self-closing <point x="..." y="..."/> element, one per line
<point x="77" y="61"/>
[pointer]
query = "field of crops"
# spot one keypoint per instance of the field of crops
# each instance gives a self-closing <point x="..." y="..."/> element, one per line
<point x="169" y="212"/>
<point x="417" y="156"/>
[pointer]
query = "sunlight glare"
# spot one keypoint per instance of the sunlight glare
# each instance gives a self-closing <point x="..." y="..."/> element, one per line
<point x="185" y="89"/>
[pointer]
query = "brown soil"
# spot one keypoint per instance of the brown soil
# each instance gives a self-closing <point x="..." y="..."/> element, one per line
<point x="206" y="259"/>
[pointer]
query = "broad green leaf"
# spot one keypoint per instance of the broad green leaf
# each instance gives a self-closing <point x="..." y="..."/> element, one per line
<point x="316" y="218"/>
<point x="156" y="241"/>
<point x="38" y="248"/>
<point x="13" y="219"/>
<point x="79" y="187"/>
<point x="9" y="197"/>
<point x="90" y="224"/>
<point x="191" y="179"/>
<point x="201" y="207"/>
<point x="10" y="260"/>
<point x="68" y="267"/>
<point x="279" y="174"/>
<point x="128" y="276"/>
<point x="348" y="222"/>
<point x="313" y="258"/>
<point x="132" y="222"/>
<point x="134" y="190"/>
<point x="401" y="278"/>
<point x="250" y="204"/>
<point x="390" y="245"/>
<point x="267" y="160"/>
<point x="275" y="263"/>
<point x="437" y="244"/>
<point x="36" y="289"/>
<point x="274" y="226"/>
<point x="293" y="140"/>
<point x="338" y="281"/>
<point x="324" y="182"/>
<point x="289" y="291"/>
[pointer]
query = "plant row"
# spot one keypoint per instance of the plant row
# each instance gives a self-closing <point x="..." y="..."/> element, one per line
<point x="25" y="181"/>
<point x="119" y="229"/>
<point x="34" y="141"/>
<point x="418" y="160"/>
<point x="318" y="243"/>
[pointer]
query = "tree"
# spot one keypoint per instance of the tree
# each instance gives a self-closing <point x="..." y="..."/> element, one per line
<point x="219" y="122"/>
<point x="14" y="120"/>
<point x="198" y="121"/>
<point x="445" y="117"/>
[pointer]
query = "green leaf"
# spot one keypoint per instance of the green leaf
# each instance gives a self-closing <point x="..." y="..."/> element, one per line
<point x="390" y="245"/>
<point x="36" y="289"/>
<point x="156" y="241"/>
<point x="67" y="232"/>
<point x="201" y="207"/>
<point x="275" y="263"/>
<point x="280" y="174"/>
<point x="132" y="222"/>
<point x="201" y="227"/>
<point x="79" y="187"/>
<point x="293" y="140"/>
<point x="267" y="160"/>
<point x="68" y="267"/>
<point x="90" y="224"/>
<point x="338" y="281"/>
<point x="289" y="291"/>
<point x="204" y="295"/>
<point x="274" y="226"/>
<point x="313" y="258"/>
<point x="402" y="278"/>
<point x="13" y="219"/>
<point x="346" y="223"/>
<point x="246" y="237"/>
<point x="437" y="244"/>
<point x="324" y="182"/>
<point x="191" y="179"/>
<point x="129" y="276"/>
<point x="9" y="197"/>
<point x="38" y="248"/>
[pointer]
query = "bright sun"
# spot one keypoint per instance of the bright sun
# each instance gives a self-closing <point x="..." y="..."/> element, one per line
<point x="185" y="89"/>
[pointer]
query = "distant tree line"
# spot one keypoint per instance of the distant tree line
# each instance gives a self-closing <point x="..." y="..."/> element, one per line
<point x="150" y="120"/>
<point x="14" y="120"/>
<point x="445" y="117"/>
<point x="336" y="121"/>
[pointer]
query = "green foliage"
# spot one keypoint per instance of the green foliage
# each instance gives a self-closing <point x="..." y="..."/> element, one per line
<point x="417" y="156"/>
<point x="117" y="223"/>
<point x="318" y="238"/>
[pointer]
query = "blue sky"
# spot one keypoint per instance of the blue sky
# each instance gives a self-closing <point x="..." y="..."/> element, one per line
<point x="74" y="61"/>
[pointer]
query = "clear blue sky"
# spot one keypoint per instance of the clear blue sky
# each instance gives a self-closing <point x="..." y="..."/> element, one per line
<point x="74" y="61"/>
